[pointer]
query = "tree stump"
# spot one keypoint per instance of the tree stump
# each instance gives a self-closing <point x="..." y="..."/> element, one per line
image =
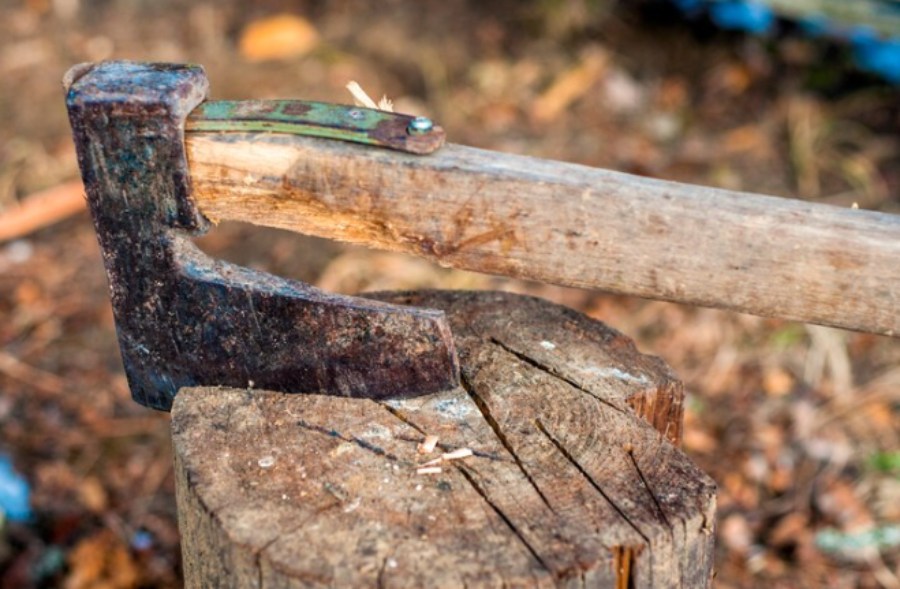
<point x="575" y="478"/>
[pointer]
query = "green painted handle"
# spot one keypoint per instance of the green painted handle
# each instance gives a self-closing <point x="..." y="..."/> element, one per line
<point x="317" y="119"/>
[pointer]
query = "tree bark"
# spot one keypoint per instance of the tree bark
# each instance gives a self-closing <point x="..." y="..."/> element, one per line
<point x="575" y="478"/>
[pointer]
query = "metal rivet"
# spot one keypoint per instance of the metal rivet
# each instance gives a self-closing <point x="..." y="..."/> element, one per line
<point x="420" y="126"/>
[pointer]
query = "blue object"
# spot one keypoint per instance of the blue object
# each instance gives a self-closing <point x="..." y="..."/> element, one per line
<point x="689" y="7"/>
<point x="871" y="28"/>
<point x="751" y="16"/>
<point x="878" y="56"/>
<point x="142" y="540"/>
<point x="815" y="25"/>
<point x="14" y="493"/>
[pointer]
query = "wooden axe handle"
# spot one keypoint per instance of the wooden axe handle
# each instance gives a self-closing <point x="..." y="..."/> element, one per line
<point x="565" y="224"/>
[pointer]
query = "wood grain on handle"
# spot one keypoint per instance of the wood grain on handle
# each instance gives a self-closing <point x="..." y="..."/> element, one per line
<point x="565" y="224"/>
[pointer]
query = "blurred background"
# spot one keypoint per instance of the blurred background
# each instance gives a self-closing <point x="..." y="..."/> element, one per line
<point x="798" y="425"/>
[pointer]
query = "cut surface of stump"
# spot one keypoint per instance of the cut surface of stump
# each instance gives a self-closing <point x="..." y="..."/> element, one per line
<point x="574" y="479"/>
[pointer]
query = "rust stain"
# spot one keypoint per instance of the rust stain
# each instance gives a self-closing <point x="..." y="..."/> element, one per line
<point x="454" y="240"/>
<point x="505" y="236"/>
<point x="296" y="108"/>
<point x="495" y="234"/>
<point x="391" y="132"/>
<point x="841" y="260"/>
<point x="251" y="108"/>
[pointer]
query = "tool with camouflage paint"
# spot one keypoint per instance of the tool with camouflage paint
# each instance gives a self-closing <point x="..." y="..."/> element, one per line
<point x="184" y="319"/>
<point x="318" y="119"/>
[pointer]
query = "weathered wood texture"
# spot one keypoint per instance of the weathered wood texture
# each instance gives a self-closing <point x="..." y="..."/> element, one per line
<point x="568" y="486"/>
<point x="565" y="224"/>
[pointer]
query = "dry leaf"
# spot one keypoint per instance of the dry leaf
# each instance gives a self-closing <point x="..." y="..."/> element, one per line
<point x="699" y="441"/>
<point x="92" y="494"/>
<point x="735" y="533"/>
<point x="278" y="37"/>
<point x="570" y="86"/>
<point x="789" y="529"/>
<point x="747" y="139"/>
<point x="731" y="78"/>
<point x="428" y="445"/>
<point x="673" y="94"/>
<point x="739" y="490"/>
<point x="99" y="561"/>
<point x="777" y="381"/>
<point x="842" y="505"/>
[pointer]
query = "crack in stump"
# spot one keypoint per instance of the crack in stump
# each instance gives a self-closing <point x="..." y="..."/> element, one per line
<point x="504" y="441"/>
<point x="506" y="520"/>
<point x="399" y="415"/>
<point x="331" y="433"/>
<point x="556" y="374"/>
<point x="568" y="456"/>
<point x="442" y="446"/>
<point x="257" y="557"/>
<point x="646" y="484"/>
<point x="379" y="580"/>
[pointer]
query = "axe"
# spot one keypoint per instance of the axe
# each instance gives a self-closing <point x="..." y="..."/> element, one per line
<point x="160" y="164"/>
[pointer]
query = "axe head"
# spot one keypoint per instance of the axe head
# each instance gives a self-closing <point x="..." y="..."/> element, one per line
<point x="185" y="319"/>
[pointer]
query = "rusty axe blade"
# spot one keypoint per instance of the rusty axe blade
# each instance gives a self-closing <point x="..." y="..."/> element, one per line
<point x="184" y="319"/>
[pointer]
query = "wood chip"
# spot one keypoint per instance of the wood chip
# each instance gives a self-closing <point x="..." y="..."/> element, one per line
<point x="457" y="454"/>
<point x="360" y="95"/>
<point x="363" y="99"/>
<point x="447" y="456"/>
<point x="429" y="470"/>
<point x="428" y="445"/>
